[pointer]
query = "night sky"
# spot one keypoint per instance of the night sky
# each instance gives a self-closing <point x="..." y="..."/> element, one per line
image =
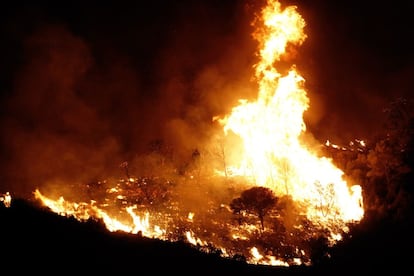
<point x="86" y="85"/>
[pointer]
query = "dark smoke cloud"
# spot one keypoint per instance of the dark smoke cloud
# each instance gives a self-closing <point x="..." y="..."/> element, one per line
<point x="50" y="131"/>
<point x="95" y="86"/>
<point x="357" y="59"/>
<point x="87" y="86"/>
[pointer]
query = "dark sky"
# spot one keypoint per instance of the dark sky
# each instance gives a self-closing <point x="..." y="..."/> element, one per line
<point x="87" y="84"/>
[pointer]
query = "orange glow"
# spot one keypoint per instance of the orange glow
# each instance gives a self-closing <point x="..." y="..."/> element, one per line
<point x="6" y="199"/>
<point x="271" y="128"/>
<point x="274" y="154"/>
<point x="83" y="211"/>
<point x="269" y="260"/>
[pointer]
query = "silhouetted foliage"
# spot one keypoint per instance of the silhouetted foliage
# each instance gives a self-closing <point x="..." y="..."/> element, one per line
<point x="388" y="160"/>
<point x="383" y="167"/>
<point x="290" y="215"/>
<point x="257" y="201"/>
<point x="319" y="249"/>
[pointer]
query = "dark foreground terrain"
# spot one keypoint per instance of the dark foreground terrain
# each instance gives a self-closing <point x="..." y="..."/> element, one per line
<point x="35" y="240"/>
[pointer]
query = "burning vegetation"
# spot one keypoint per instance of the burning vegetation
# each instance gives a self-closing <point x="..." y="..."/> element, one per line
<point x="264" y="195"/>
<point x="262" y="189"/>
<point x="6" y="199"/>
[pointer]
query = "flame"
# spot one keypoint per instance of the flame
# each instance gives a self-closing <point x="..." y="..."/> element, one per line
<point x="272" y="130"/>
<point x="274" y="154"/>
<point x="193" y="240"/>
<point x="190" y="216"/>
<point x="6" y="199"/>
<point x="84" y="211"/>
<point x="269" y="260"/>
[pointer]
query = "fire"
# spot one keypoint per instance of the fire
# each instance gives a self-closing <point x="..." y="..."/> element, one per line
<point x="272" y="130"/>
<point x="193" y="240"/>
<point x="258" y="258"/>
<point x="6" y="199"/>
<point x="274" y="155"/>
<point x="84" y="211"/>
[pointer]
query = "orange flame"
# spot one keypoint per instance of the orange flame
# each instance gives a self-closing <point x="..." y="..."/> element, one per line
<point x="272" y="129"/>
<point x="6" y="199"/>
<point x="269" y="260"/>
<point x="83" y="211"/>
<point x="274" y="155"/>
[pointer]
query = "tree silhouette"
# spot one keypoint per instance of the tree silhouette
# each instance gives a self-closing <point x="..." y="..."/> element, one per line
<point x="389" y="161"/>
<point x="384" y="165"/>
<point x="257" y="201"/>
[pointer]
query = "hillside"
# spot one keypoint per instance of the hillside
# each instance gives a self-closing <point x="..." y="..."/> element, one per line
<point x="37" y="240"/>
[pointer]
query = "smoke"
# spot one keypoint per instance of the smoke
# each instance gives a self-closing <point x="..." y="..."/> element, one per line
<point x="354" y="54"/>
<point x="85" y="99"/>
<point x="49" y="131"/>
<point x="88" y="86"/>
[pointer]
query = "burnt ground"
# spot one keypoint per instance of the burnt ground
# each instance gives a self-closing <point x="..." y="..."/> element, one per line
<point x="35" y="240"/>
